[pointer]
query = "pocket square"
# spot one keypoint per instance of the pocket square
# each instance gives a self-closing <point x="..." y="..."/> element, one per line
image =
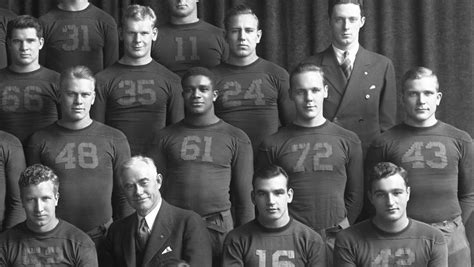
<point x="372" y="87"/>
<point x="167" y="249"/>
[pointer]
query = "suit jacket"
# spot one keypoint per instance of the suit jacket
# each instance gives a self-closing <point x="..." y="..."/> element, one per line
<point x="177" y="235"/>
<point x="367" y="103"/>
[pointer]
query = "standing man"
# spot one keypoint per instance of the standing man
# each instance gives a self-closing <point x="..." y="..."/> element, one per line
<point x="158" y="234"/>
<point x="253" y="92"/>
<point x="390" y="238"/>
<point x="43" y="239"/>
<point x="137" y="95"/>
<point x="5" y="16"/>
<point x="207" y="163"/>
<point x="362" y="96"/>
<point x="439" y="160"/>
<point x="186" y="41"/>
<point x="28" y="91"/>
<point x="86" y="155"/>
<point x="12" y="163"/>
<point x="273" y="238"/>
<point x="323" y="160"/>
<point x="78" y="33"/>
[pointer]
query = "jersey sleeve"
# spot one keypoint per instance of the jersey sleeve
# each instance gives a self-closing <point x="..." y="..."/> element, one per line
<point x="241" y="182"/>
<point x="343" y="253"/>
<point x="439" y="252"/>
<point x="354" y="192"/>
<point x="388" y="105"/>
<point x="99" y="107"/>
<point x="157" y="152"/>
<point x="120" y="206"/>
<point x="232" y="255"/>
<point x="196" y="244"/>
<point x="317" y="253"/>
<point x="15" y="164"/>
<point x="465" y="180"/>
<point x="286" y="107"/>
<point x="33" y="150"/>
<point x="175" y="112"/>
<point x="264" y="156"/>
<point x="87" y="256"/>
<point x="111" y="45"/>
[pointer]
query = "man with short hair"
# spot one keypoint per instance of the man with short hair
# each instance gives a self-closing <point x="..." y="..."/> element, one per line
<point x="28" y="91"/>
<point x="78" y="33"/>
<point x="86" y="155"/>
<point x="390" y="238"/>
<point x="158" y="234"/>
<point x="361" y="84"/>
<point x="438" y="158"/>
<point x="43" y="239"/>
<point x="137" y="95"/>
<point x="273" y="238"/>
<point x="12" y="163"/>
<point x="253" y="92"/>
<point x="322" y="159"/>
<point x="5" y="16"/>
<point x="186" y="41"/>
<point x="207" y="163"/>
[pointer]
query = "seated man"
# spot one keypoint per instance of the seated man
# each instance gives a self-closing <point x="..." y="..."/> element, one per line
<point x="274" y="238"/>
<point x="390" y="238"/>
<point x="43" y="239"/>
<point x="158" y="234"/>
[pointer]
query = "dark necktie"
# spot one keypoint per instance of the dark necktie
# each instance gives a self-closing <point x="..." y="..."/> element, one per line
<point x="142" y="234"/>
<point x="346" y="65"/>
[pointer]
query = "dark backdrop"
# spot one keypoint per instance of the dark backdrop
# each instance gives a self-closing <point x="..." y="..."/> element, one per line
<point x="437" y="34"/>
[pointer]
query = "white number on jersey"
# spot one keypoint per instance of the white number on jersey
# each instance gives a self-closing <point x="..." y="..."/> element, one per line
<point x="192" y="147"/>
<point x="78" y="38"/>
<point x="416" y="152"/>
<point x="85" y="156"/>
<point x="137" y="91"/>
<point x="232" y="91"/>
<point x="401" y="257"/>
<point x="276" y="256"/>
<point x="324" y="151"/>
<point x="13" y="98"/>
<point x="180" y="49"/>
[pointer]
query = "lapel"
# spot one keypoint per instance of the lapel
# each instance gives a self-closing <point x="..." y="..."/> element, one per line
<point x="129" y="241"/>
<point x="159" y="234"/>
<point x="354" y="89"/>
<point x="332" y="71"/>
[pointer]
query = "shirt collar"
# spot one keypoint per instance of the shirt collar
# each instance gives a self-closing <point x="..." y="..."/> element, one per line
<point x="150" y="217"/>
<point x="352" y="53"/>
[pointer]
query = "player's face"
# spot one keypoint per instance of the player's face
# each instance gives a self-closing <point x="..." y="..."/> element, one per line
<point x="39" y="202"/>
<point x="243" y="35"/>
<point x="308" y="92"/>
<point x="138" y="37"/>
<point x="390" y="197"/>
<point x="271" y="198"/>
<point x="345" y="23"/>
<point x="182" y="8"/>
<point x="198" y="95"/>
<point x="24" y="46"/>
<point x="142" y="187"/>
<point x="421" y="100"/>
<point x="77" y="97"/>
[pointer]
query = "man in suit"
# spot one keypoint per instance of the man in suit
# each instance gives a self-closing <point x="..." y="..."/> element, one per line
<point x="361" y="84"/>
<point x="158" y="234"/>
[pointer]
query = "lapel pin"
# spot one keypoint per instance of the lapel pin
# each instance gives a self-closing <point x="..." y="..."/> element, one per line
<point x="372" y="87"/>
<point x="366" y="73"/>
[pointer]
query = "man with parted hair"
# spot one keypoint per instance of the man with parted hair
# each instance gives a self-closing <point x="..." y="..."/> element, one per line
<point x="390" y="238"/>
<point x="76" y="32"/>
<point x="362" y="96"/>
<point x="158" y="234"/>
<point x="137" y="95"/>
<point x="274" y="238"/>
<point x="28" y="91"/>
<point x="43" y="239"/>
<point x="207" y="163"/>
<point x="187" y="41"/>
<point x="253" y="92"/>
<point x="86" y="155"/>
<point x="322" y="159"/>
<point x="438" y="158"/>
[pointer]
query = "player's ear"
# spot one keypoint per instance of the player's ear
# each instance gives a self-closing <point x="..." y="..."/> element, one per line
<point x="56" y="199"/>
<point x="215" y="94"/>
<point x="41" y="43"/>
<point x="290" y="195"/>
<point x="325" y="91"/>
<point x="159" y="179"/>
<point x="155" y="33"/>
<point x="408" y="193"/>
<point x="252" y="196"/>
<point x="439" y="95"/>
<point x="259" y="36"/>
<point x="362" y="22"/>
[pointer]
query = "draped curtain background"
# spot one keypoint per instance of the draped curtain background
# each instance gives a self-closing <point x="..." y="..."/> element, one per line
<point x="437" y="34"/>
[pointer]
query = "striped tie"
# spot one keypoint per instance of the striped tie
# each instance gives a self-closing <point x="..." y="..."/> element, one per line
<point x="346" y="65"/>
<point x="142" y="234"/>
